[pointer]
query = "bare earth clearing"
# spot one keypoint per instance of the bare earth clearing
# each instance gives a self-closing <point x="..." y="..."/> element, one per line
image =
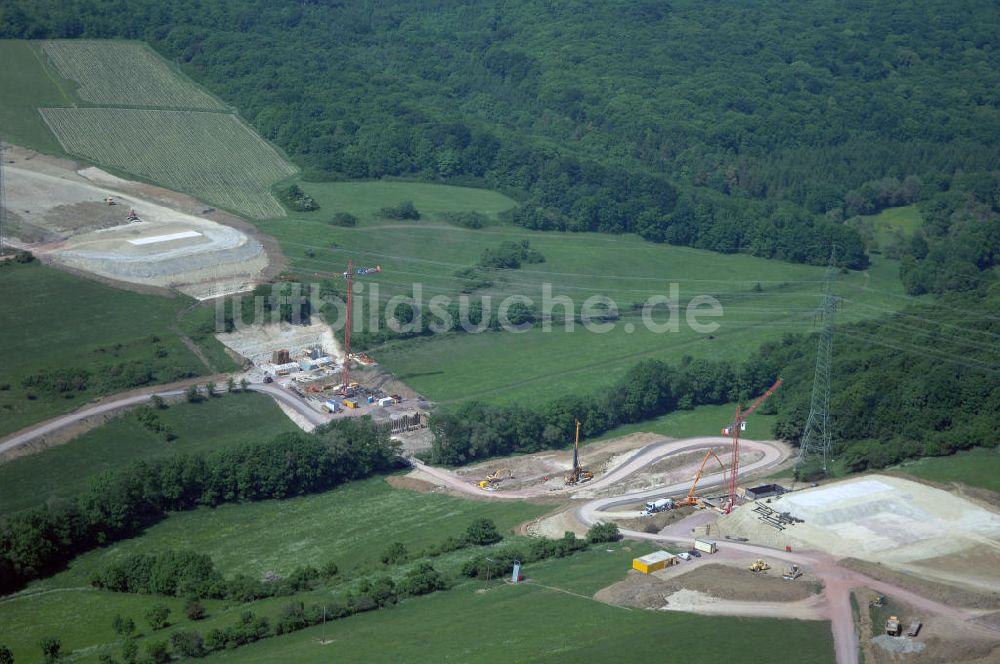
<point x="60" y="214"/>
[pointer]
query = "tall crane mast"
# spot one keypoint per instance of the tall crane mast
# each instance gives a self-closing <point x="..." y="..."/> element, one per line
<point x="734" y="430"/>
<point x="345" y="374"/>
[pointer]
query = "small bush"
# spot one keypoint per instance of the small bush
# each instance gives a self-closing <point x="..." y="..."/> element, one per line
<point x="404" y="210"/>
<point x="157" y="616"/>
<point x="510" y="255"/>
<point x="345" y="219"/>
<point x="473" y="220"/>
<point x="482" y="532"/>
<point x="394" y="553"/>
<point x="188" y="644"/>
<point x="194" y="610"/>
<point x="297" y="200"/>
<point x="603" y="532"/>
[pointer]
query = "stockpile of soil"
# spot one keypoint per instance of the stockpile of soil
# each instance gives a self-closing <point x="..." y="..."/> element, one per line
<point x="721" y="581"/>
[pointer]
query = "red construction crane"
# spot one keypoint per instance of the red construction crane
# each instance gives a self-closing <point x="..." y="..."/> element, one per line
<point x="349" y="275"/>
<point x="739" y="424"/>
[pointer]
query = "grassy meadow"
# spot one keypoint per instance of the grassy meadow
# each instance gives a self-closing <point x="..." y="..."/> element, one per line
<point x="979" y="467"/>
<point x="699" y="421"/>
<point x="65" y="470"/>
<point x="761" y="299"/>
<point x="62" y="321"/>
<point x="352" y="525"/>
<point x="552" y="618"/>
<point x="29" y="83"/>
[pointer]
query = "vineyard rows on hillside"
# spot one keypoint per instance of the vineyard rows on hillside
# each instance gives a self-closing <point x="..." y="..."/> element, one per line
<point x="118" y="73"/>
<point x="212" y="156"/>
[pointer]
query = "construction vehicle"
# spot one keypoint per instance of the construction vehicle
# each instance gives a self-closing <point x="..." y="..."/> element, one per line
<point x="792" y="572"/>
<point x="892" y="626"/>
<point x="914" y="628"/>
<point x="654" y="506"/>
<point x="690" y="500"/>
<point x="492" y="481"/>
<point x="132" y="215"/>
<point x="579" y="474"/>
<point x="877" y="601"/>
<point x="734" y="429"/>
<point x="345" y="371"/>
<point x="759" y="566"/>
<point x="110" y="200"/>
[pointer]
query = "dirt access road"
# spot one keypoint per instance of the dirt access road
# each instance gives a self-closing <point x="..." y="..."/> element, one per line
<point x="773" y="454"/>
<point x="114" y="403"/>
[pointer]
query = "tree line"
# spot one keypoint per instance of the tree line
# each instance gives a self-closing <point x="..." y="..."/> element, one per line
<point x="473" y="430"/>
<point x="120" y="503"/>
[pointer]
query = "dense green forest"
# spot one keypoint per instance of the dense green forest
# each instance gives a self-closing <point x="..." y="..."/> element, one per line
<point x="766" y="128"/>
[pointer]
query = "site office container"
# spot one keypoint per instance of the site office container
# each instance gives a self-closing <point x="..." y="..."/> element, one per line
<point x="654" y="561"/>
<point x="705" y="545"/>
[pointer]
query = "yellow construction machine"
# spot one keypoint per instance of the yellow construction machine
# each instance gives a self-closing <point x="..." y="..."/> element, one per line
<point x="492" y="480"/>
<point x="578" y="474"/>
<point x="759" y="566"/>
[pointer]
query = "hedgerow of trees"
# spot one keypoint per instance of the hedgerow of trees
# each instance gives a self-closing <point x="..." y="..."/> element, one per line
<point x="120" y="503"/>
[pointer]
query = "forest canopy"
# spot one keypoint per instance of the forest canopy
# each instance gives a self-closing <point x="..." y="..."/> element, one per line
<point x="726" y="125"/>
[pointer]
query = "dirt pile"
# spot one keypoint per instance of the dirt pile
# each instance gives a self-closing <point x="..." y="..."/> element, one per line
<point x="637" y="590"/>
<point x="711" y="580"/>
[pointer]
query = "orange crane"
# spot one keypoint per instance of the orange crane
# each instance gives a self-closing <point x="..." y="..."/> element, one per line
<point x="690" y="499"/>
<point x="739" y="424"/>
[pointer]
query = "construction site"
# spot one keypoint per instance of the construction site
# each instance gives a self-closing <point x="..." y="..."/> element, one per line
<point x="765" y="548"/>
<point x="126" y="232"/>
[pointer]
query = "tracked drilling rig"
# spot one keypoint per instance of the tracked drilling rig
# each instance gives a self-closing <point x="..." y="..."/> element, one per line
<point x="578" y="474"/>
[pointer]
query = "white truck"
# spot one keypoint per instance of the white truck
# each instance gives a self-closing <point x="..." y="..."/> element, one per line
<point x="654" y="506"/>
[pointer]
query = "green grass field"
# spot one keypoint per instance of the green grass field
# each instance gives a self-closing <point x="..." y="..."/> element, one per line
<point x="534" y="623"/>
<point x="27" y="83"/>
<point x="906" y="219"/>
<point x="365" y="199"/>
<point x="65" y="470"/>
<point x="979" y="467"/>
<point x="64" y="321"/>
<point x="351" y="525"/>
<point x="891" y="229"/>
<point x="536" y="365"/>
<point x="553" y="617"/>
<point x="699" y="421"/>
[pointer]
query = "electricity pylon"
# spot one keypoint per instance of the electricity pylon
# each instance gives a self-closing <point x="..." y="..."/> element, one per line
<point x="816" y="435"/>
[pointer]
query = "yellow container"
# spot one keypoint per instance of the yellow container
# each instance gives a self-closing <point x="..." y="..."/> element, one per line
<point x="654" y="561"/>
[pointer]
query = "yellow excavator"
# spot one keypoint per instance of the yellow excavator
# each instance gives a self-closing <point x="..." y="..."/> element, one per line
<point x="492" y="480"/>
<point x="578" y="474"/>
<point x="759" y="566"/>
